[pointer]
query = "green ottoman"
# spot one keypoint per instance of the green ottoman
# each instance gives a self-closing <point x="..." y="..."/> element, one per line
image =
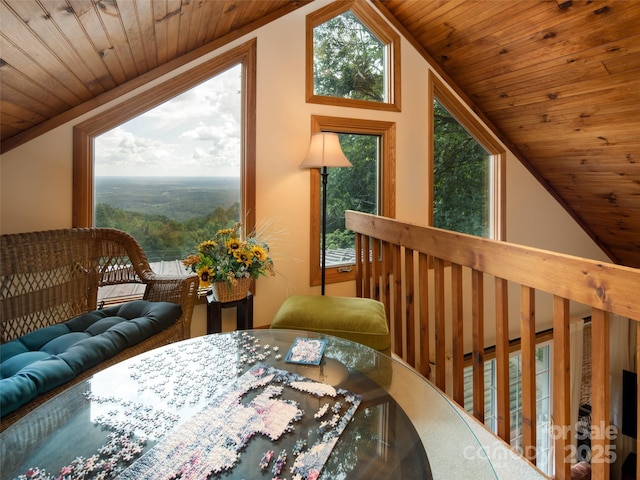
<point x="361" y="320"/>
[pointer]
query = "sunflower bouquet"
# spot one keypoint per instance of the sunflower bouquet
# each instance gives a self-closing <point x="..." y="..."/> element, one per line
<point x="227" y="257"/>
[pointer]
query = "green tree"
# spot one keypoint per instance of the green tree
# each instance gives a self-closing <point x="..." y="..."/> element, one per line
<point x="352" y="188"/>
<point x="348" y="60"/>
<point x="162" y="238"/>
<point x="460" y="177"/>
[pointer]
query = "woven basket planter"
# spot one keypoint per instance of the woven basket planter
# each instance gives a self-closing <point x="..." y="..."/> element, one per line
<point x="225" y="292"/>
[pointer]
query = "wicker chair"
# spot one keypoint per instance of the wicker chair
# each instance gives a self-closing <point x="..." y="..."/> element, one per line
<point x="51" y="276"/>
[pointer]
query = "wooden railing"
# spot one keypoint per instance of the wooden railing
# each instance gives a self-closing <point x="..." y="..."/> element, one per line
<point x="422" y="274"/>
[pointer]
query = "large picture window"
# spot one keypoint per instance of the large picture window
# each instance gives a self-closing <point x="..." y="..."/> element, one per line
<point x="367" y="187"/>
<point x="169" y="175"/>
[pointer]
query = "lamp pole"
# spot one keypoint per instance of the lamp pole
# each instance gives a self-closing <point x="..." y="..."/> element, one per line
<point x="324" y="173"/>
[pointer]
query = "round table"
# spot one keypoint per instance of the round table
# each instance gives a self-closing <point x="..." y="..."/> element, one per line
<point x="232" y="400"/>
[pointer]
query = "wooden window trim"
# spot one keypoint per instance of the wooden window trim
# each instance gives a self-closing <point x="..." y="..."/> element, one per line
<point x="515" y="346"/>
<point x="439" y="90"/>
<point x="387" y="133"/>
<point x="85" y="132"/>
<point x="387" y="35"/>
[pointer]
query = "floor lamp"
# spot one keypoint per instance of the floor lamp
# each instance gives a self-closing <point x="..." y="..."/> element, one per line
<point x="324" y="152"/>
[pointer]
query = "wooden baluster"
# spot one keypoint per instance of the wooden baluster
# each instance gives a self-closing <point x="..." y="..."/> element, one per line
<point x="457" y="333"/>
<point x="502" y="358"/>
<point x="376" y="271"/>
<point x="528" y="346"/>
<point x="562" y="388"/>
<point x="423" y="289"/>
<point x="441" y="354"/>
<point x="600" y="395"/>
<point x="397" y="300"/>
<point x="366" y="260"/>
<point x="359" y="266"/>
<point x="385" y="289"/>
<point x="477" y="319"/>
<point x="410" y="316"/>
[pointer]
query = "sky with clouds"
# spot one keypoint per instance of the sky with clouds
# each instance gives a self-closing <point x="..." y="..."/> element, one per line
<point x="194" y="134"/>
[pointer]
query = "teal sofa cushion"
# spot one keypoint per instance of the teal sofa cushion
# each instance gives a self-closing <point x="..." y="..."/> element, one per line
<point x="13" y="365"/>
<point x="46" y="358"/>
<point x="361" y="320"/>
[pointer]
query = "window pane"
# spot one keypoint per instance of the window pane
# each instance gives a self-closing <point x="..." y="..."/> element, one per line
<point x="543" y="385"/>
<point x="348" y="60"/>
<point x="490" y="393"/>
<point x="461" y="188"/>
<point x="543" y="401"/>
<point x="354" y="188"/>
<point x="171" y="176"/>
<point x="542" y="358"/>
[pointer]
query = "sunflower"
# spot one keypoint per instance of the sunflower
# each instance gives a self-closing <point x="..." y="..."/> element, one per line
<point x="205" y="274"/>
<point x="243" y="256"/>
<point x="233" y="245"/>
<point x="207" y="245"/>
<point x="259" y="253"/>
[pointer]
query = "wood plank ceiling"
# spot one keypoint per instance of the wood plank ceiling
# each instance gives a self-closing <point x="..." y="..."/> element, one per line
<point x="558" y="81"/>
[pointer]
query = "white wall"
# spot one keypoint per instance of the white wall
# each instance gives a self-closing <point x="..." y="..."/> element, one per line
<point x="36" y="178"/>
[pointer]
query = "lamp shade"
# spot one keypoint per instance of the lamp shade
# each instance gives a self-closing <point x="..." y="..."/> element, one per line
<point x="325" y="151"/>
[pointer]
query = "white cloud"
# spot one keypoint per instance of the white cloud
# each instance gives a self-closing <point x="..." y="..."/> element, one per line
<point x="196" y="132"/>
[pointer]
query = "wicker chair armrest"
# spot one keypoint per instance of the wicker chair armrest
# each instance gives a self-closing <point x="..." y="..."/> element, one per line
<point x="182" y="290"/>
<point x="123" y="257"/>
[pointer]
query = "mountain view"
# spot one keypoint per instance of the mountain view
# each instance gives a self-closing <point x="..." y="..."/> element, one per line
<point x="168" y="216"/>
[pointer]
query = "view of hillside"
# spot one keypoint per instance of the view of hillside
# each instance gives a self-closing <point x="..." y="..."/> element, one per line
<point x="180" y="198"/>
<point x="167" y="216"/>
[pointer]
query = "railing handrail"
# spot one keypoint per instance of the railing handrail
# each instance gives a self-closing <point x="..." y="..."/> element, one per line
<point x="607" y="286"/>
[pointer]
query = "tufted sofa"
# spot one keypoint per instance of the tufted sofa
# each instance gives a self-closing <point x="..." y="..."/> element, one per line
<point x="53" y="333"/>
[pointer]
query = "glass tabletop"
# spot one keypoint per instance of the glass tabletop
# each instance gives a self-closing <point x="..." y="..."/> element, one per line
<point x="231" y="406"/>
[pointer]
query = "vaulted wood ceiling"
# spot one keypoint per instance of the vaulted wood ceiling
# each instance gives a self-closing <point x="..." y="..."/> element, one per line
<point x="558" y="81"/>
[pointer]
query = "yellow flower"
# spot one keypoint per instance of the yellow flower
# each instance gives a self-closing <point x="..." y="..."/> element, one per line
<point x="259" y="252"/>
<point x="233" y="244"/>
<point x="243" y="256"/>
<point x="205" y="273"/>
<point x="205" y="244"/>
